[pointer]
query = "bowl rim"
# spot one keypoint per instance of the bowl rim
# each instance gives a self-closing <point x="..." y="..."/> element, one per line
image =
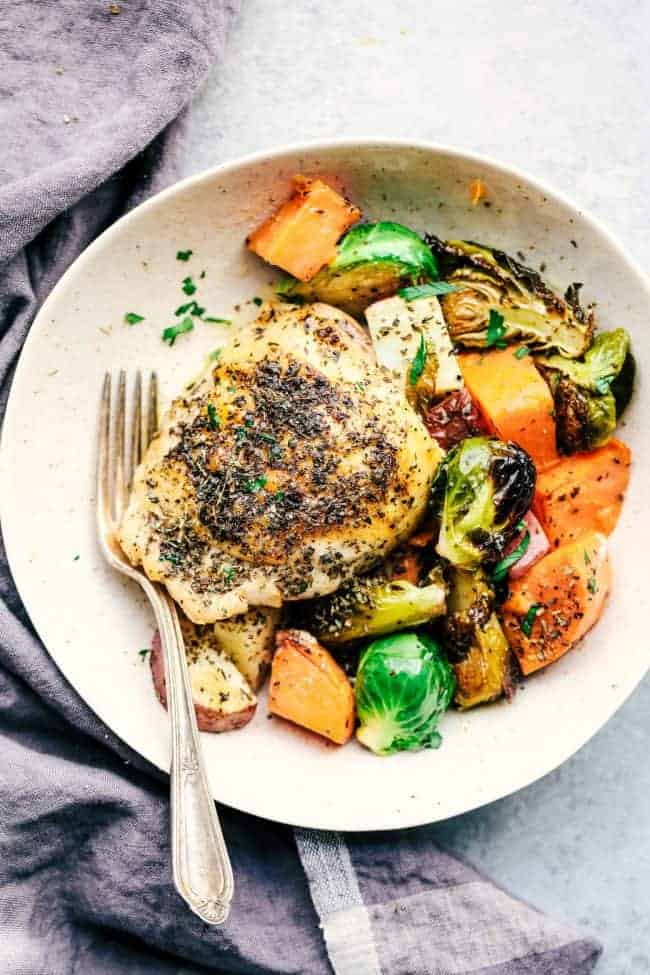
<point x="367" y="142"/>
<point x="397" y="144"/>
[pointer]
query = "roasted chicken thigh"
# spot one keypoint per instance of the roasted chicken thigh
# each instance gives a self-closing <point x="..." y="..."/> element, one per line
<point x="291" y="464"/>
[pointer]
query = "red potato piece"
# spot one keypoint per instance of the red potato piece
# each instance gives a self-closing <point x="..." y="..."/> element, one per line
<point x="405" y="563"/>
<point x="538" y="547"/>
<point x="423" y="539"/>
<point x="454" y="418"/>
<point x="249" y="641"/>
<point x="223" y="700"/>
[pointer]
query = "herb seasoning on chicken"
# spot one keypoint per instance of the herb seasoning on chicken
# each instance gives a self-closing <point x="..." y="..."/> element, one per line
<point x="292" y="464"/>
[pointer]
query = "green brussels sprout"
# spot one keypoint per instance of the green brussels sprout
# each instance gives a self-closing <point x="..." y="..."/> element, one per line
<point x="474" y="641"/>
<point x="489" y="280"/>
<point x="583" y="420"/>
<point x="599" y="367"/>
<point x="371" y="606"/>
<point x="623" y="385"/>
<point x="403" y="687"/>
<point x="590" y="394"/>
<point x="482" y="489"/>
<point x="373" y="260"/>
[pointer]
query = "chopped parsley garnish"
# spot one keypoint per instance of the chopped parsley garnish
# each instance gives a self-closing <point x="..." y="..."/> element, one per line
<point x="427" y="290"/>
<point x="215" y="354"/>
<point x="501" y="568"/>
<point x="202" y="275"/>
<point x="183" y="255"/>
<point x="529" y="619"/>
<point x="280" y="495"/>
<point x="213" y="419"/>
<point x="171" y="334"/>
<point x="76" y="558"/>
<point x="228" y="573"/>
<point x="143" y="653"/>
<point x="591" y="585"/>
<point x="188" y="286"/>
<point x="417" y="366"/>
<point x="267" y="437"/>
<point x="171" y="557"/>
<point x="132" y="318"/>
<point x="496" y="330"/>
<point x="255" y="484"/>
<point x="257" y="301"/>
<point x="587" y="559"/>
<point x="191" y="308"/>
<point x="521" y="352"/>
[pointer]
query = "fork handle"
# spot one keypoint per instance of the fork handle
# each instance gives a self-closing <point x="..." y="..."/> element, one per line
<point x="200" y="861"/>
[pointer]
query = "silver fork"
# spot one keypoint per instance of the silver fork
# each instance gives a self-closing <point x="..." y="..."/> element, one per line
<point x="200" y="863"/>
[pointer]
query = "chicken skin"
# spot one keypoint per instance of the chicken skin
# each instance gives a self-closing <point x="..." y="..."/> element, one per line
<point x="291" y="464"/>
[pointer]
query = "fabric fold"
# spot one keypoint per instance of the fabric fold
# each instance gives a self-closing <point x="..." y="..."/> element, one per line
<point x="428" y="913"/>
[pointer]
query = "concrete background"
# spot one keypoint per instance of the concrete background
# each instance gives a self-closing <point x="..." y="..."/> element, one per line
<point x="561" y="88"/>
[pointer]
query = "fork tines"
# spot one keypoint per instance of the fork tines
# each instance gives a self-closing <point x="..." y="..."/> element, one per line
<point x="119" y="453"/>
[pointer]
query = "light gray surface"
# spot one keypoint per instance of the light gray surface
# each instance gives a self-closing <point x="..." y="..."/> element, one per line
<point x="560" y="89"/>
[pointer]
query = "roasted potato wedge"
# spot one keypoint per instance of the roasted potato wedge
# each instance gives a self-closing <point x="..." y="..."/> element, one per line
<point x="223" y="699"/>
<point x="248" y="639"/>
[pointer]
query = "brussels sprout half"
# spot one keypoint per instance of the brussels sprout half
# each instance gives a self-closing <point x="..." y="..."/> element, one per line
<point x="482" y="489"/>
<point x="583" y="420"/>
<point x="489" y="280"/>
<point x="403" y="687"/>
<point x="590" y="394"/>
<point x="474" y="640"/>
<point x="371" y="606"/>
<point x="373" y="261"/>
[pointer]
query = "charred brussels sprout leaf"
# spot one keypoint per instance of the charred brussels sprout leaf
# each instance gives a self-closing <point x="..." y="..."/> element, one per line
<point x="403" y="687"/>
<point x="601" y="364"/>
<point x="583" y="420"/>
<point x="623" y="385"/>
<point x="373" y="261"/>
<point x="474" y="640"/>
<point x="371" y="606"/>
<point x="490" y="281"/>
<point x="590" y="394"/>
<point x="483" y="488"/>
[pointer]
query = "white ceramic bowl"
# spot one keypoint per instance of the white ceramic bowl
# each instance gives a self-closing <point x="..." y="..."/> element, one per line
<point x="94" y="622"/>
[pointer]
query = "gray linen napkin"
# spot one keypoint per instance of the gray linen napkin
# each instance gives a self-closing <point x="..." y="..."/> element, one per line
<point x="87" y="97"/>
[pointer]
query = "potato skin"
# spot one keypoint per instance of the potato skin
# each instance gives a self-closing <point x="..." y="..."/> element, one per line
<point x="210" y="720"/>
<point x="207" y="719"/>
